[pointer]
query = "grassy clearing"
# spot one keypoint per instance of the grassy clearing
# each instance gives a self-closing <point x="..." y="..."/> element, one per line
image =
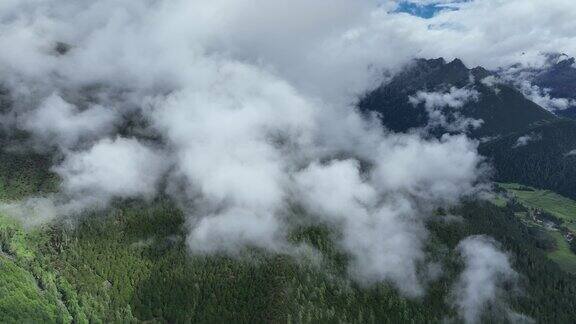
<point x="563" y="256"/>
<point x="557" y="205"/>
<point x="553" y="203"/>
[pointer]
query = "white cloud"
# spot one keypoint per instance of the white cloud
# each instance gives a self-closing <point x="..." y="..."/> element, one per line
<point x="450" y="171"/>
<point x="522" y="77"/>
<point x="527" y="139"/>
<point x="33" y="211"/>
<point x="251" y="101"/>
<point x="384" y="240"/>
<point x="436" y="104"/>
<point x="454" y="98"/>
<point x="64" y="124"/>
<point x="542" y="97"/>
<point x="481" y="286"/>
<point x="381" y="215"/>
<point x="121" y="168"/>
<point x="492" y="82"/>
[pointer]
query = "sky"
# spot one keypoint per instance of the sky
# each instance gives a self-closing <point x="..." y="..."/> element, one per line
<point x="426" y="9"/>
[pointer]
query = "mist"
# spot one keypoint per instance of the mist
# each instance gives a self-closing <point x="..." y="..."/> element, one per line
<point x="486" y="282"/>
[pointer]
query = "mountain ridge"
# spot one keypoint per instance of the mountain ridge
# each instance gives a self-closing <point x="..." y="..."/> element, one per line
<point x="502" y="108"/>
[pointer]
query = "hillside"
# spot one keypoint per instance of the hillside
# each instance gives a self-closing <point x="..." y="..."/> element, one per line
<point x="544" y="158"/>
<point x="131" y="264"/>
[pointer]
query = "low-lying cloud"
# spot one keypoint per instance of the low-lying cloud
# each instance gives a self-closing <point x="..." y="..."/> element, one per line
<point x="63" y="124"/>
<point x="526" y="139"/>
<point x="443" y="108"/>
<point x="246" y="107"/>
<point x="485" y="283"/>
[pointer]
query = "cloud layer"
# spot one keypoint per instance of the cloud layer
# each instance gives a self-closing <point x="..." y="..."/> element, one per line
<point x="238" y="109"/>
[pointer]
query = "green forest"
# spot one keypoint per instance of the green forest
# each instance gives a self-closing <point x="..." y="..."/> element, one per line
<point x="131" y="264"/>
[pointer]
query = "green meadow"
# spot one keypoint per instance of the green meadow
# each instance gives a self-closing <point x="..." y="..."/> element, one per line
<point x="553" y="203"/>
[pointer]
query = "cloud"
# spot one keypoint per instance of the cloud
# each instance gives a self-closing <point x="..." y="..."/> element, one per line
<point x="455" y="98"/>
<point x="542" y="97"/>
<point x="437" y="104"/>
<point x="492" y="82"/>
<point x="570" y="153"/>
<point x="250" y="104"/>
<point x="92" y="178"/>
<point x="33" y="211"/>
<point x="381" y="214"/>
<point x="526" y="139"/>
<point x="62" y="123"/>
<point x="384" y="240"/>
<point x="522" y="77"/>
<point x="247" y="152"/>
<point x="482" y="286"/>
<point x="122" y="168"/>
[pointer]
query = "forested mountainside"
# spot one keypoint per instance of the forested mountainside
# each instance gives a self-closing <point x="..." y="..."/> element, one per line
<point x="542" y="156"/>
<point x="131" y="265"/>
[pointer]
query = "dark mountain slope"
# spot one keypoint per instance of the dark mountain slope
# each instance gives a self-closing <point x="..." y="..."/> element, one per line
<point x="546" y="160"/>
<point x="503" y="110"/>
<point x="560" y="79"/>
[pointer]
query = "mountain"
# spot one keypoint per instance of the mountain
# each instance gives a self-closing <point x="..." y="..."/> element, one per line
<point x="559" y="77"/>
<point x="524" y="142"/>
<point x="543" y="161"/>
<point x="501" y="107"/>
<point x="552" y="84"/>
<point x="542" y="156"/>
